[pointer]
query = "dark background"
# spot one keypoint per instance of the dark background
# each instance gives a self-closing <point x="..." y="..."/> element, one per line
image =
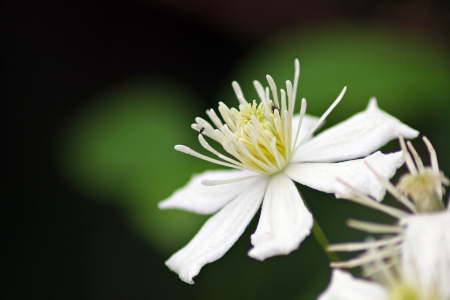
<point x="61" y="243"/>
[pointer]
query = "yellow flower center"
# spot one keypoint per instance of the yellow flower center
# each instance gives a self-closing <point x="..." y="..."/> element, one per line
<point x="258" y="136"/>
<point x="262" y="132"/>
<point x="403" y="292"/>
<point x="406" y="291"/>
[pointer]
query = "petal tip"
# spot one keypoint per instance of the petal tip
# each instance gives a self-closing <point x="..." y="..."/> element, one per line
<point x="164" y="204"/>
<point x="373" y="105"/>
<point x="409" y="133"/>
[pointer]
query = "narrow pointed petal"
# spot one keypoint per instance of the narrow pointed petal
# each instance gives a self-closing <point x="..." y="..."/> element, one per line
<point x="356" y="137"/>
<point x="284" y="221"/>
<point x="307" y="123"/>
<point x="202" y="199"/>
<point x="219" y="233"/>
<point x="426" y="253"/>
<point x="322" y="176"/>
<point x="343" y="286"/>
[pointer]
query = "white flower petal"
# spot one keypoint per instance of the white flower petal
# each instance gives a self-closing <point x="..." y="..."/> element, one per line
<point x="284" y="221"/>
<point x="426" y="253"/>
<point x="219" y="233"/>
<point x="322" y="176"/>
<point x="356" y="137"/>
<point x="202" y="199"/>
<point x="307" y="124"/>
<point x="343" y="286"/>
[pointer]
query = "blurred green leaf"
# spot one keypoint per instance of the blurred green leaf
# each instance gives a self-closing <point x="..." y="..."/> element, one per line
<point x="409" y="76"/>
<point x="120" y="149"/>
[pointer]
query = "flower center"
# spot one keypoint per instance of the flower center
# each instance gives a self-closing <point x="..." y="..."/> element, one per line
<point x="403" y="291"/>
<point x="258" y="136"/>
<point x="422" y="189"/>
<point x="262" y="133"/>
<point x="406" y="291"/>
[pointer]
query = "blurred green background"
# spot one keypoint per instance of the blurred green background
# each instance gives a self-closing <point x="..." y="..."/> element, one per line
<point x="99" y="93"/>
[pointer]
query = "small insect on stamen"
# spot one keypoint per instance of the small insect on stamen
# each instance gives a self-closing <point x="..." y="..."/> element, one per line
<point x="202" y="129"/>
<point x="275" y="107"/>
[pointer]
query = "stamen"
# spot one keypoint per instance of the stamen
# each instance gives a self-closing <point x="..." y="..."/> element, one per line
<point x="201" y="121"/>
<point x="274" y="152"/>
<point x="258" y="149"/>
<point x="226" y="117"/>
<point x="204" y="128"/>
<point x="283" y="100"/>
<point x="322" y="118"/>
<point x="408" y="160"/>
<point x="273" y="87"/>
<point x="205" y="145"/>
<point x="363" y="259"/>
<point x="302" y="114"/>
<point x="213" y="116"/>
<point x="393" y="190"/>
<point x="380" y="265"/>
<point x="433" y="155"/>
<point x="351" y="247"/>
<point x="435" y="167"/>
<point x="296" y="76"/>
<point x="197" y="127"/>
<point x="287" y="126"/>
<point x="373" y="227"/>
<point x="238" y="91"/>
<point x="416" y="156"/>
<point x="228" y="146"/>
<point x="369" y="202"/>
<point x="218" y="136"/>
<point x="291" y="99"/>
<point x="249" y="155"/>
<point x="189" y="151"/>
<point x="260" y="90"/>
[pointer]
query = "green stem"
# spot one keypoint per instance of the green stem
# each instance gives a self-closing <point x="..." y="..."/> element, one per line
<point x="323" y="241"/>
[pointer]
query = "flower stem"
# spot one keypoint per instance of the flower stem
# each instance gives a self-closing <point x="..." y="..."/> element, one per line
<point x="323" y="241"/>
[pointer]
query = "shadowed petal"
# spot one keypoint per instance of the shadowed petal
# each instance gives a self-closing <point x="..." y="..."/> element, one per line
<point x="356" y="137"/>
<point x="284" y="221"/>
<point x="343" y="286"/>
<point x="202" y="199"/>
<point x="219" y="233"/>
<point x="322" y="176"/>
<point x="426" y="253"/>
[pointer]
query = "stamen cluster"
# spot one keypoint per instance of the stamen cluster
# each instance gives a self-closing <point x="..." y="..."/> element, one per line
<point x="258" y="137"/>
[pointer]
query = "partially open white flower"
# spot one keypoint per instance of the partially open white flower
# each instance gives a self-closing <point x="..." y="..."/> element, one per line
<point x="421" y="272"/>
<point x="269" y="147"/>
<point x="420" y="191"/>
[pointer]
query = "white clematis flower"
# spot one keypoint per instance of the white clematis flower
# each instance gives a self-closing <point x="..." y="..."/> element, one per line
<point x="422" y="272"/>
<point x="420" y="191"/>
<point x="269" y="147"/>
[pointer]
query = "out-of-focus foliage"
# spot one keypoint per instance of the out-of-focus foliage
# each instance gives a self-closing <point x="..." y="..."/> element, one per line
<point x="120" y="150"/>
<point x="410" y="77"/>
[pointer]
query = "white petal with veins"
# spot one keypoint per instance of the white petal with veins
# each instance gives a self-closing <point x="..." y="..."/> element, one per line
<point x="202" y="199"/>
<point x="284" y="222"/>
<point x="322" y="176"/>
<point x="355" y="137"/>
<point x="219" y="233"/>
